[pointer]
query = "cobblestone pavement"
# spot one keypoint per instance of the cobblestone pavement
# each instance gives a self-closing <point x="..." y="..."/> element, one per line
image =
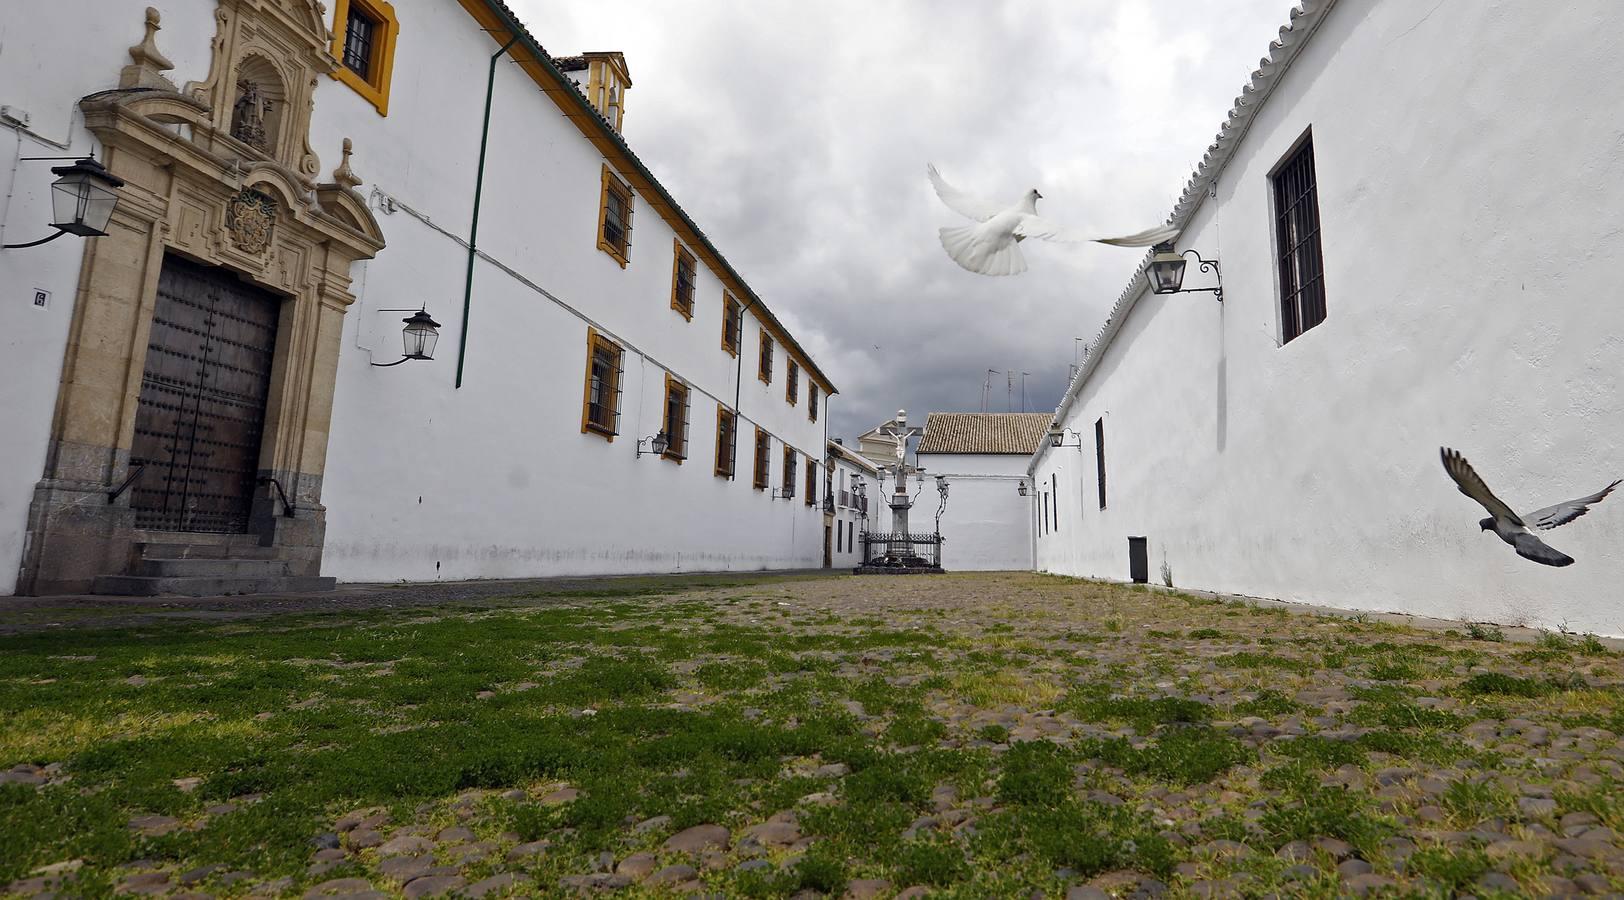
<point x="970" y="736"/>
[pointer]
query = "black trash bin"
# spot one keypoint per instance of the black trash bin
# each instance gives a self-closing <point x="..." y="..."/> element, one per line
<point x="1138" y="560"/>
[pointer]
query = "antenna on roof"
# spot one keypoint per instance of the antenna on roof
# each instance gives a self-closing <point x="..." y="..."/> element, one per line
<point x="1009" y="386"/>
<point x="986" y="385"/>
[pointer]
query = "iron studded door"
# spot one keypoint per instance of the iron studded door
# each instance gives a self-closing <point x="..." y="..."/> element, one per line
<point x="202" y="403"/>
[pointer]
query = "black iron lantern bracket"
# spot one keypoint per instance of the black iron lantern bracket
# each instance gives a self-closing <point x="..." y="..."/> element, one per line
<point x="420" y="323"/>
<point x="1166" y="272"/>
<point x="89" y="190"/>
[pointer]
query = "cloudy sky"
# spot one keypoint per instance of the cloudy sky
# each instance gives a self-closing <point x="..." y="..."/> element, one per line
<point x="797" y="134"/>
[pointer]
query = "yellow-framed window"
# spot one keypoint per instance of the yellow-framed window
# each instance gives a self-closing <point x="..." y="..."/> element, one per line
<point x="683" y="273"/>
<point x="600" y="405"/>
<point x="792" y="382"/>
<point x="727" y="441"/>
<point x="786" y="488"/>
<point x="675" y="425"/>
<point x="811" y="400"/>
<point x="764" y="362"/>
<point x="364" y="33"/>
<point x="732" y="324"/>
<point x="615" y="218"/>
<point x="762" y="464"/>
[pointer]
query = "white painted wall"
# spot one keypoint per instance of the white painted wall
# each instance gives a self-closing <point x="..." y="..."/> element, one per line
<point x="985" y="526"/>
<point x="424" y="480"/>
<point x="496" y="479"/>
<point x="1471" y="195"/>
<point x="848" y="552"/>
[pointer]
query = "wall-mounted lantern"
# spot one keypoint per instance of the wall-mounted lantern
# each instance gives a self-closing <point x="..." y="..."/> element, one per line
<point x="657" y="444"/>
<point x="941" y="486"/>
<point x="1021" y="488"/>
<point x="419" y="336"/>
<point x="1166" y="272"/>
<point x="1057" y="438"/>
<point x="82" y="199"/>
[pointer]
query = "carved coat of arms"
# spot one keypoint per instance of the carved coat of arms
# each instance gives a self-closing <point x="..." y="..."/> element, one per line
<point x="248" y="219"/>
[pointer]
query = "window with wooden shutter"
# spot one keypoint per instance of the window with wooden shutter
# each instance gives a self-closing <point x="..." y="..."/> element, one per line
<point x="811" y="400"/>
<point x="732" y="324"/>
<point x="792" y="383"/>
<point x="811" y="481"/>
<point x="762" y="463"/>
<point x="615" y="218"/>
<point x="1297" y="241"/>
<point x="676" y="419"/>
<point x="764" y="365"/>
<point x="1099" y="456"/>
<point x="682" y="281"/>
<point x="600" y="413"/>
<point x="786" y="488"/>
<point x="727" y="443"/>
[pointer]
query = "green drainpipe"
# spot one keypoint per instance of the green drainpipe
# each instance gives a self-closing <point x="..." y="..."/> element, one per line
<point x="479" y="188"/>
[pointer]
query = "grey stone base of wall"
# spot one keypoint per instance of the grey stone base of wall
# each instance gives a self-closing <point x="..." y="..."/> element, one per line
<point x="899" y="570"/>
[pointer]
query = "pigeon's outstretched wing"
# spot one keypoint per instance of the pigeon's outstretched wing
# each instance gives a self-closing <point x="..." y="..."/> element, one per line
<point x="1563" y="513"/>
<point x="1466" y="478"/>
<point x="1043" y="229"/>
<point x="1530" y="547"/>
<point x="967" y="205"/>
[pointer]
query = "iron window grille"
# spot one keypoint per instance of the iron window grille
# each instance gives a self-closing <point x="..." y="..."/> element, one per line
<point x="762" y="463"/>
<point x="811" y="481"/>
<point x="360" y="38"/>
<point x="764" y="366"/>
<point x="732" y="322"/>
<point x="603" y="386"/>
<point x="682" y="283"/>
<point x="615" y="218"/>
<point x="812" y="401"/>
<point x="792" y="382"/>
<point x="1054" y="511"/>
<point x="1297" y="237"/>
<point x="726" y="441"/>
<point x="676" y="419"/>
<point x="787" y="488"/>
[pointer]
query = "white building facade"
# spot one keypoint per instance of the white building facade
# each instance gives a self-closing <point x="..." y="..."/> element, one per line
<point x="983" y="456"/>
<point x="850" y="480"/>
<point x="1412" y="214"/>
<point x="593" y="315"/>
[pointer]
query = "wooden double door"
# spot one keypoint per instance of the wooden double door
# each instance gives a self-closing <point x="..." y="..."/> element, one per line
<point x="201" y="410"/>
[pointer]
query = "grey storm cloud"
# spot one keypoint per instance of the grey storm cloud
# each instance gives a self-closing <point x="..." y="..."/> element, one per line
<point x="797" y="134"/>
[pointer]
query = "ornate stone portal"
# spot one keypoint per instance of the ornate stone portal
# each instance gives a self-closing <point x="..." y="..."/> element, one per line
<point x="219" y="173"/>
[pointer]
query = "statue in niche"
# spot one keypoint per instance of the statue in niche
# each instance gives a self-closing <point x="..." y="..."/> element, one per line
<point x="248" y="115"/>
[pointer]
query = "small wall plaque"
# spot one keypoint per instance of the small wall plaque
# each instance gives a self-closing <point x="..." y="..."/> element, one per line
<point x="42" y="298"/>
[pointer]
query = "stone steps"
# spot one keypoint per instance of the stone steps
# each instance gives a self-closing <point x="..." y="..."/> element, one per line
<point x="212" y="565"/>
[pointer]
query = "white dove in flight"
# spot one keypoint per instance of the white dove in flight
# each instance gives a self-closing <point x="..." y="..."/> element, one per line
<point x="990" y="247"/>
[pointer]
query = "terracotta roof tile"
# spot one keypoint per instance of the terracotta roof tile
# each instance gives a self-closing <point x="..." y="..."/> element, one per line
<point x="1014" y="433"/>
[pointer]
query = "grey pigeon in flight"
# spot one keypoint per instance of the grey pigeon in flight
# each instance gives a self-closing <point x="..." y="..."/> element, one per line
<point x="1512" y="528"/>
<point x="990" y="247"/>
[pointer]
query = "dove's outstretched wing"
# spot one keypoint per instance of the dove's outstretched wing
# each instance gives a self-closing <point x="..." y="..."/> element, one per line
<point x="1530" y="547"/>
<point x="1466" y="478"/>
<point x="1563" y="513"/>
<point x="967" y="205"/>
<point x="1043" y="229"/>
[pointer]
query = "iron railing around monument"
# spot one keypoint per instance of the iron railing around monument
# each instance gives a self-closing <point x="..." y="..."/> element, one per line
<point x="897" y="550"/>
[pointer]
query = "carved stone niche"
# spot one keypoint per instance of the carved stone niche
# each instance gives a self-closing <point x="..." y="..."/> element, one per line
<point x="249" y="205"/>
<point x="268" y="56"/>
